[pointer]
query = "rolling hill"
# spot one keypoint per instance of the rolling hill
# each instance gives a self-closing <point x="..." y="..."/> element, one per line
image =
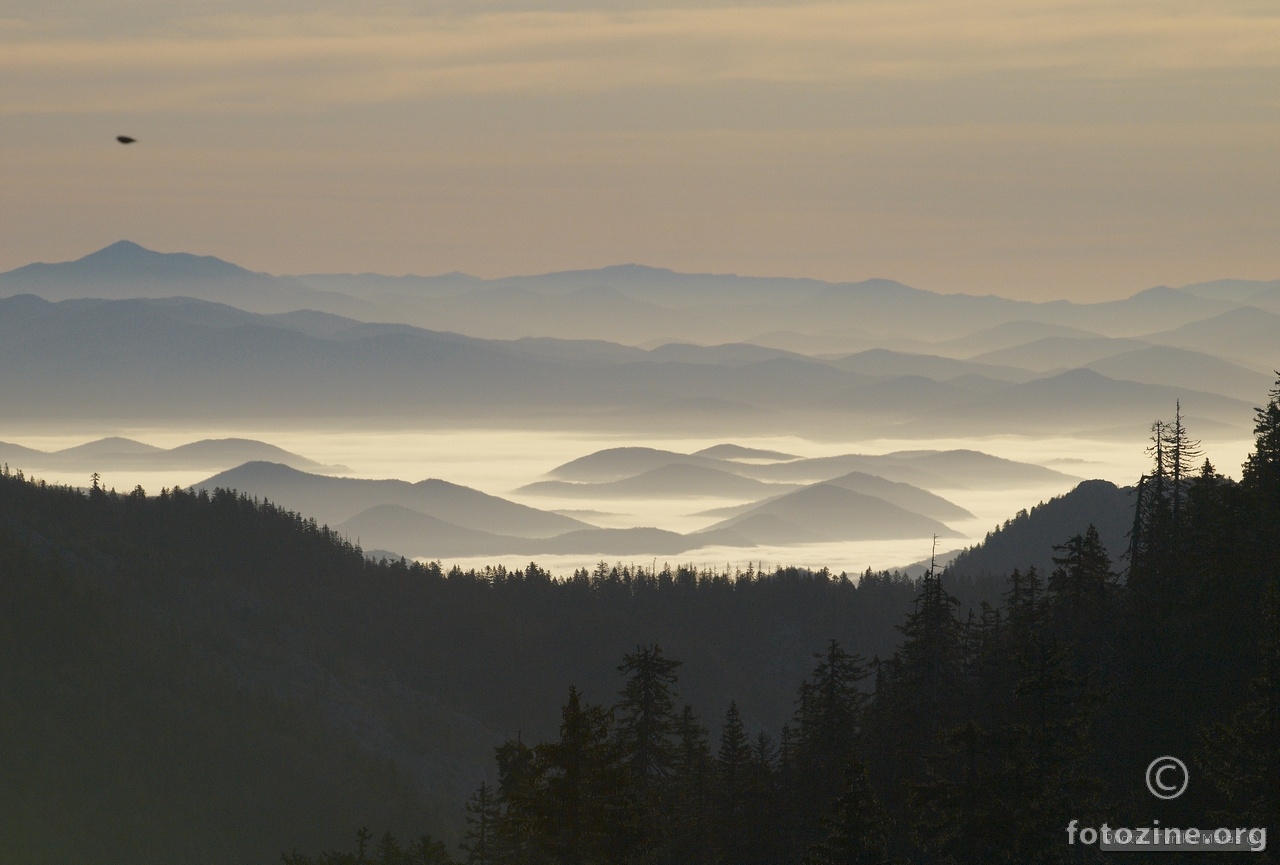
<point x="903" y="495"/>
<point x="414" y="534"/>
<point x="825" y="512"/>
<point x="673" y="480"/>
<point x="335" y="500"/>
<point x="955" y="469"/>
<point x="115" y="454"/>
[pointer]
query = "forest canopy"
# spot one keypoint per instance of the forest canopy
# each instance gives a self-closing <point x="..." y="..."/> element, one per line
<point x="195" y="676"/>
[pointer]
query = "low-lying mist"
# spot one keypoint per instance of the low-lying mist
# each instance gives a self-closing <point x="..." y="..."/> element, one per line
<point x="500" y="462"/>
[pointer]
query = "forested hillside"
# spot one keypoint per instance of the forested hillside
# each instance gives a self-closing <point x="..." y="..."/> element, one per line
<point x="1027" y="539"/>
<point x="980" y="740"/>
<point x="195" y="677"/>
<point x="202" y="677"/>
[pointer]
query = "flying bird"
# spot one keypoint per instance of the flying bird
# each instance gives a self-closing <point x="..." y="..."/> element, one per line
<point x="124" y="139"/>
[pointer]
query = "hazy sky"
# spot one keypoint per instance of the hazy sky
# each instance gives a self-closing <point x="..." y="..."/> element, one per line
<point x="1081" y="148"/>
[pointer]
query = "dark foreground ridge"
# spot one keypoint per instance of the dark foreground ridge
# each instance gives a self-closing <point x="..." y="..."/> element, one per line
<point x="990" y="736"/>
<point x="197" y="677"/>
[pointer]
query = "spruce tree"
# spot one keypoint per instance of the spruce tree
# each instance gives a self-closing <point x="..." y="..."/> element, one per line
<point x="857" y="830"/>
<point x="733" y="777"/>
<point x="1261" y="477"/>
<point x="1243" y="752"/>
<point x="516" y="789"/>
<point x="646" y="717"/>
<point x="691" y="793"/>
<point x="480" y="843"/>
<point x="574" y="809"/>
<point x="1181" y="454"/>
<point x="764" y="838"/>
<point x="1080" y="600"/>
<point x="917" y="695"/>
<point x="828" y="720"/>
<point x="646" y="741"/>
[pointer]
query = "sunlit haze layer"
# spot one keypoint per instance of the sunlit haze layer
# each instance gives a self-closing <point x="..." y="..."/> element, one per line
<point x="499" y="462"/>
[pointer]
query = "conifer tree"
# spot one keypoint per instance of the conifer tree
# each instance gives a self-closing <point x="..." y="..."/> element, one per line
<point x="1151" y="540"/>
<point x="917" y="695"/>
<point x="513" y="840"/>
<point x="764" y="838"/>
<point x="646" y="742"/>
<point x="1022" y="602"/>
<point x="857" y="830"/>
<point x="1243" y="752"/>
<point x="483" y="816"/>
<point x="1261" y="476"/>
<point x="691" y="793"/>
<point x="430" y="851"/>
<point x="575" y="809"/>
<point x="1083" y="580"/>
<point x="733" y="776"/>
<point x="829" y="709"/>
<point x="926" y="668"/>
<point x="828" y="720"/>
<point x="646" y="718"/>
<point x="1080" y="600"/>
<point x="734" y="753"/>
<point x="1181" y="454"/>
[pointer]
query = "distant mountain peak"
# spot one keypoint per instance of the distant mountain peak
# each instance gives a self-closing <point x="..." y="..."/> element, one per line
<point x="624" y="271"/>
<point x="633" y="267"/>
<point x="121" y="247"/>
<point x="127" y="252"/>
<point x="1160" y="292"/>
<point x="130" y="262"/>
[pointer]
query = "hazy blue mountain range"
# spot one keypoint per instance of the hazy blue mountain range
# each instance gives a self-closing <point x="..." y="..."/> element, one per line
<point x="636" y="305"/>
<point x="1179" y="367"/>
<point x="175" y="358"/>
<point x="887" y="362"/>
<point x="1008" y="334"/>
<point x="1245" y="333"/>
<point x="181" y="358"/>
<point x="1053" y="353"/>
<point x="1058" y="366"/>
<point x="1061" y="401"/>
<point x="114" y="454"/>
<point x="1264" y="294"/>
<point x="125" y="270"/>
<point x="1142" y="361"/>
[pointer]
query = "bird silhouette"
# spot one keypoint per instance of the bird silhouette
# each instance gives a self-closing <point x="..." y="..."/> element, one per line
<point x="124" y="139"/>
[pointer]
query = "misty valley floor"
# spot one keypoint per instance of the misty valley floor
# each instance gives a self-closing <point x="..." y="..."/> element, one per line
<point x="501" y="462"/>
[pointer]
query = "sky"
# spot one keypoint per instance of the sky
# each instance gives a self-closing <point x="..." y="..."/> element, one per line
<point x="1067" y="148"/>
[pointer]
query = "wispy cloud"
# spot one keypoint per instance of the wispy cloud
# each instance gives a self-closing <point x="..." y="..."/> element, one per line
<point x="279" y="62"/>
<point x="975" y="144"/>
